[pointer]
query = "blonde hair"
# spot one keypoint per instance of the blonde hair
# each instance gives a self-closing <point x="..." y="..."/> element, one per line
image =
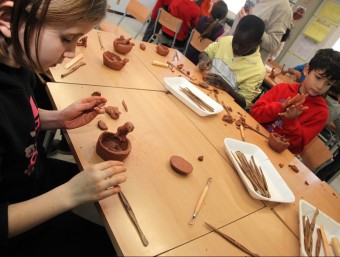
<point x="52" y="13"/>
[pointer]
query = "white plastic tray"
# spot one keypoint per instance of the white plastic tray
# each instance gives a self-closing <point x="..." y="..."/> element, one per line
<point x="331" y="227"/>
<point x="277" y="187"/>
<point x="173" y="84"/>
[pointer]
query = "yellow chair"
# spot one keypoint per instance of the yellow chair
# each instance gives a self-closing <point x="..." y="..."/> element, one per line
<point x="139" y="11"/>
<point x="169" y="21"/>
<point x="197" y="42"/>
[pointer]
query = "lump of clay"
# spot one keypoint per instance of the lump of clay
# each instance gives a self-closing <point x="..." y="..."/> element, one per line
<point x="82" y="42"/>
<point x="277" y="142"/>
<point x="142" y="46"/>
<point x="113" y="112"/>
<point x="122" y="45"/>
<point x="102" y="125"/>
<point x="180" y="165"/>
<point x="115" y="146"/>
<point x="113" y="61"/>
<point x="162" y="50"/>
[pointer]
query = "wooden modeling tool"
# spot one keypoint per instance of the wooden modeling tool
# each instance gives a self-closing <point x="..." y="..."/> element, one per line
<point x="200" y="202"/>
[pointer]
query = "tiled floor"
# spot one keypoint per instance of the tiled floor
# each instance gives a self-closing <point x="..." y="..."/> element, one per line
<point x="131" y="26"/>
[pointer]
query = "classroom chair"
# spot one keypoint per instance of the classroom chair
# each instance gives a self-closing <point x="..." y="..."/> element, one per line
<point x="139" y="11"/>
<point x="316" y="155"/>
<point x="197" y="42"/>
<point x="169" y="21"/>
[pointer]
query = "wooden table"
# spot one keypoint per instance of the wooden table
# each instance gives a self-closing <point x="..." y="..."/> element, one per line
<point x="163" y="200"/>
<point x="133" y="75"/>
<point x="279" y="78"/>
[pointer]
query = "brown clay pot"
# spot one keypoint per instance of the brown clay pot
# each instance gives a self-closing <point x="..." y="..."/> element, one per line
<point x="115" y="146"/>
<point x="122" y="45"/>
<point x="113" y="61"/>
<point x="277" y="142"/>
<point x="162" y="50"/>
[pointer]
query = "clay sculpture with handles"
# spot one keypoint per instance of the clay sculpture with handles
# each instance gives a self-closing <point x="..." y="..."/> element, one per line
<point x="115" y="146"/>
<point x="122" y="45"/>
<point x="162" y="50"/>
<point x="113" y="61"/>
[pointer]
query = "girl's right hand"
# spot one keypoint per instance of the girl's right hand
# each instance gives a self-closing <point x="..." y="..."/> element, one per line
<point x="96" y="182"/>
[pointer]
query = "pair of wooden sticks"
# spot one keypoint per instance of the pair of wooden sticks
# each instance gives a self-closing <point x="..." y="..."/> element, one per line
<point x="198" y="101"/>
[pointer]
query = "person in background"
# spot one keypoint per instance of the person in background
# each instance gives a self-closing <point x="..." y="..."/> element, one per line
<point x="299" y="111"/>
<point x="206" y="6"/>
<point x="277" y="16"/>
<point x="189" y="12"/>
<point x="234" y="64"/>
<point x="37" y="193"/>
<point x="277" y="52"/>
<point x="209" y="27"/>
<point x="297" y="72"/>
<point x="150" y="28"/>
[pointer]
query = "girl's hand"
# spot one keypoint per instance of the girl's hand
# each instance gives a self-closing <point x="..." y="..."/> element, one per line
<point x="82" y="112"/>
<point x="293" y="112"/>
<point x="96" y="182"/>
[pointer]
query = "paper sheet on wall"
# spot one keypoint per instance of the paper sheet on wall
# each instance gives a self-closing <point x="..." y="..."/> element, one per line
<point x="305" y="48"/>
<point x="317" y="31"/>
<point x="330" y="11"/>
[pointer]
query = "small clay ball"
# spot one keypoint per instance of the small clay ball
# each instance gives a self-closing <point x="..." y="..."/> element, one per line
<point x="142" y="46"/>
<point x="101" y="124"/>
<point x="96" y="93"/>
<point x="180" y="165"/>
<point x="200" y="158"/>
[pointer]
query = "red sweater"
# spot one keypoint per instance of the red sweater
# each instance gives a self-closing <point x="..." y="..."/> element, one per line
<point x="159" y="4"/>
<point x="186" y="10"/>
<point x="299" y="131"/>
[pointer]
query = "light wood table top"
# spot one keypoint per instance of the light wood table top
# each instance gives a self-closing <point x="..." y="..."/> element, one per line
<point x="260" y="232"/>
<point x="133" y="75"/>
<point x="279" y="78"/>
<point x="162" y="200"/>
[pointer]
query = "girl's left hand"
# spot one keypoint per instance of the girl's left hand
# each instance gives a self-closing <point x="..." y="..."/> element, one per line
<point x="82" y="112"/>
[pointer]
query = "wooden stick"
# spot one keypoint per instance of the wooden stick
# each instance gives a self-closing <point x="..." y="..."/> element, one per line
<point x="324" y="241"/>
<point x="242" y="132"/>
<point x="200" y="201"/>
<point x="318" y="243"/>
<point x="100" y="41"/>
<point x="203" y="105"/>
<point x="231" y="240"/>
<point x="133" y="218"/>
<point x="74" y="61"/>
<point x="73" y="69"/>
<point x="336" y="246"/>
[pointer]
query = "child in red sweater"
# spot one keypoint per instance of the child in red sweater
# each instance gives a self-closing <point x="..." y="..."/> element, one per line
<point x="298" y="111"/>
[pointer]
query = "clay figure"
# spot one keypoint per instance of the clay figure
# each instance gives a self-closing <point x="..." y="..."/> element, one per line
<point x="113" y="61"/>
<point x="115" y="146"/>
<point x="122" y="45"/>
<point x="277" y="142"/>
<point x="162" y="50"/>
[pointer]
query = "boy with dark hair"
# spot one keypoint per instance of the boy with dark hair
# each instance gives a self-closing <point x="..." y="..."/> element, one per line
<point x="235" y="61"/>
<point x="298" y="111"/>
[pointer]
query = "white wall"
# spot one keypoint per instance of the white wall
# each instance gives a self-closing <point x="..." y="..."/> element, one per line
<point x="120" y="5"/>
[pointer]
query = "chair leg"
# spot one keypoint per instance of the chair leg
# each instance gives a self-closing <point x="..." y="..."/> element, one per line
<point x="121" y="19"/>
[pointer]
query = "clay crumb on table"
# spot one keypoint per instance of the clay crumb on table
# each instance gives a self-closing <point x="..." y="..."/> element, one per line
<point x="200" y="158"/>
<point x="101" y="124"/>
<point x="293" y="167"/>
